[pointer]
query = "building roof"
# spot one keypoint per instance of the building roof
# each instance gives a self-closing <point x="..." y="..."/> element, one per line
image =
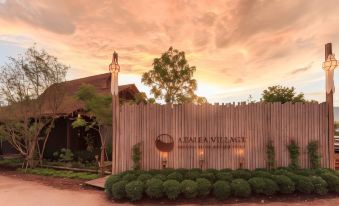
<point x="68" y="102"/>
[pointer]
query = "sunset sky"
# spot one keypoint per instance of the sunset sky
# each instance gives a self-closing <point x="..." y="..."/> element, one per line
<point x="239" y="47"/>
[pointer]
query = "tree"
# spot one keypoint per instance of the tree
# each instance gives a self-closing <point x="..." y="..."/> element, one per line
<point x="22" y="81"/>
<point x="282" y="94"/>
<point x="99" y="107"/>
<point x="171" y="79"/>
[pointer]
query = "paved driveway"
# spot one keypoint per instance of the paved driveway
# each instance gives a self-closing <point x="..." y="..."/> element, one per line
<point x="17" y="192"/>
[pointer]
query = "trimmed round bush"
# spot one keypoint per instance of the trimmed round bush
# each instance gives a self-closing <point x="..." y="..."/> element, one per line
<point x="208" y="175"/>
<point x="154" y="188"/>
<point x="241" y="188"/>
<point x="242" y="174"/>
<point x="183" y="171"/>
<point x="134" y="190"/>
<point x="260" y="173"/>
<point x="171" y="189"/>
<point x="175" y="176"/>
<point x="257" y="184"/>
<point x="109" y="182"/>
<point x="285" y="184"/>
<point x="320" y="185"/>
<point x="192" y="174"/>
<point x="226" y="170"/>
<point x="262" y="185"/>
<point x="118" y="190"/>
<point x="304" y="184"/>
<point x="144" y="177"/>
<point x="154" y="172"/>
<point x="213" y="171"/>
<point x="204" y="187"/>
<point x="129" y="177"/>
<point x="332" y="181"/>
<point x="167" y="171"/>
<point x="221" y="190"/>
<point x="189" y="188"/>
<point x="305" y="172"/>
<point x="160" y="177"/>
<point x="226" y="176"/>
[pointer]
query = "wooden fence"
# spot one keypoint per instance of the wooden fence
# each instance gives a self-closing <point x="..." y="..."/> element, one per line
<point x="219" y="136"/>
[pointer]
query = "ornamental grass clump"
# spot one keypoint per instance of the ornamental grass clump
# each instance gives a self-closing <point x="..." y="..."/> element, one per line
<point x="154" y="188"/>
<point x="118" y="190"/>
<point x="134" y="190"/>
<point x="189" y="188"/>
<point x="109" y="182"/>
<point x="221" y="190"/>
<point x="285" y="184"/>
<point x="171" y="189"/>
<point x="241" y="188"/>
<point x="204" y="187"/>
<point x="320" y="185"/>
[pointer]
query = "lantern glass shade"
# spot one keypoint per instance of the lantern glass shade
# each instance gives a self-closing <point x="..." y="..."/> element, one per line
<point x="330" y="64"/>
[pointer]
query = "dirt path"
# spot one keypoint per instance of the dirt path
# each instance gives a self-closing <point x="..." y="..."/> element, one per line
<point x="18" y="192"/>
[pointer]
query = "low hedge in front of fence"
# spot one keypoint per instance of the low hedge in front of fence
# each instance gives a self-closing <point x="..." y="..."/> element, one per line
<point x="220" y="184"/>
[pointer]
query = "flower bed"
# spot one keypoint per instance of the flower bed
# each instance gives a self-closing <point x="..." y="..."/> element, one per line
<point x="221" y="184"/>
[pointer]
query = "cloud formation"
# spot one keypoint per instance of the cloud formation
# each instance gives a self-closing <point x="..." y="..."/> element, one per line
<point x="236" y="45"/>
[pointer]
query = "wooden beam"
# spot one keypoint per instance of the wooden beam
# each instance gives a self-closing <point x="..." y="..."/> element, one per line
<point x="329" y="101"/>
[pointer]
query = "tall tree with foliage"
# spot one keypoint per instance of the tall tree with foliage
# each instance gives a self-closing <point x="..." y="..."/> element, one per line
<point x="171" y="79"/>
<point x="282" y="94"/>
<point x="99" y="107"/>
<point x="22" y="82"/>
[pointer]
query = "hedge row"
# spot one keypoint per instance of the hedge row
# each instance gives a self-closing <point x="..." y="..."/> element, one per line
<point x="173" y="183"/>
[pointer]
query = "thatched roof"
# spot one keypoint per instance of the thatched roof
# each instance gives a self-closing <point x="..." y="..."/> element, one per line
<point x="68" y="103"/>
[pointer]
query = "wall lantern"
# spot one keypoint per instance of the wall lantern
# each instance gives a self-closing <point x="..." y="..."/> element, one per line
<point x="164" y="156"/>
<point x="241" y="153"/>
<point x="201" y="157"/>
<point x="328" y="66"/>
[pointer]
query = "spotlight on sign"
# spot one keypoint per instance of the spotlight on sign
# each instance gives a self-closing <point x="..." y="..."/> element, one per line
<point x="164" y="156"/>
<point x="201" y="157"/>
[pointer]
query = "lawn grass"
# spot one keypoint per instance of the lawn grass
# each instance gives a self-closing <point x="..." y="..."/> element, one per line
<point x="60" y="173"/>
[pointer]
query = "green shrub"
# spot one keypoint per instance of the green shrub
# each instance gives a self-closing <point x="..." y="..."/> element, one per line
<point x="332" y="181"/>
<point x="285" y="184"/>
<point x="136" y="156"/>
<point x="134" y="190"/>
<point x="160" y="177"/>
<point x="208" y="175"/>
<point x="154" y="172"/>
<point x="304" y="184"/>
<point x="260" y="173"/>
<point x="227" y="176"/>
<point x="261" y="185"/>
<point x="109" y="182"/>
<point x="118" y="190"/>
<point x="241" y="188"/>
<point x="171" y="189"/>
<point x="320" y="185"/>
<point x="183" y="171"/>
<point x="175" y="176"/>
<point x="154" y="188"/>
<point x="320" y="171"/>
<point x="167" y="171"/>
<point x="211" y="170"/>
<point x="221" y="190"/>
<point x="304" y="172"/>
<point x="144" y="177"/>
<point x="270" y="153"/>
<point x="192" y="174"/>
<point x="204" y="187"/>
<point x="129" y="177"/>
<point x="189" y="188"/>
<point x="226" y="170"/>
<point x="242" y="174"/>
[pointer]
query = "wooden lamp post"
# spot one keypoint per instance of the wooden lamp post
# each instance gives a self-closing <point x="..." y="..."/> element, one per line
<point x="114" y="68"/>
<point x="329" y="65"/>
